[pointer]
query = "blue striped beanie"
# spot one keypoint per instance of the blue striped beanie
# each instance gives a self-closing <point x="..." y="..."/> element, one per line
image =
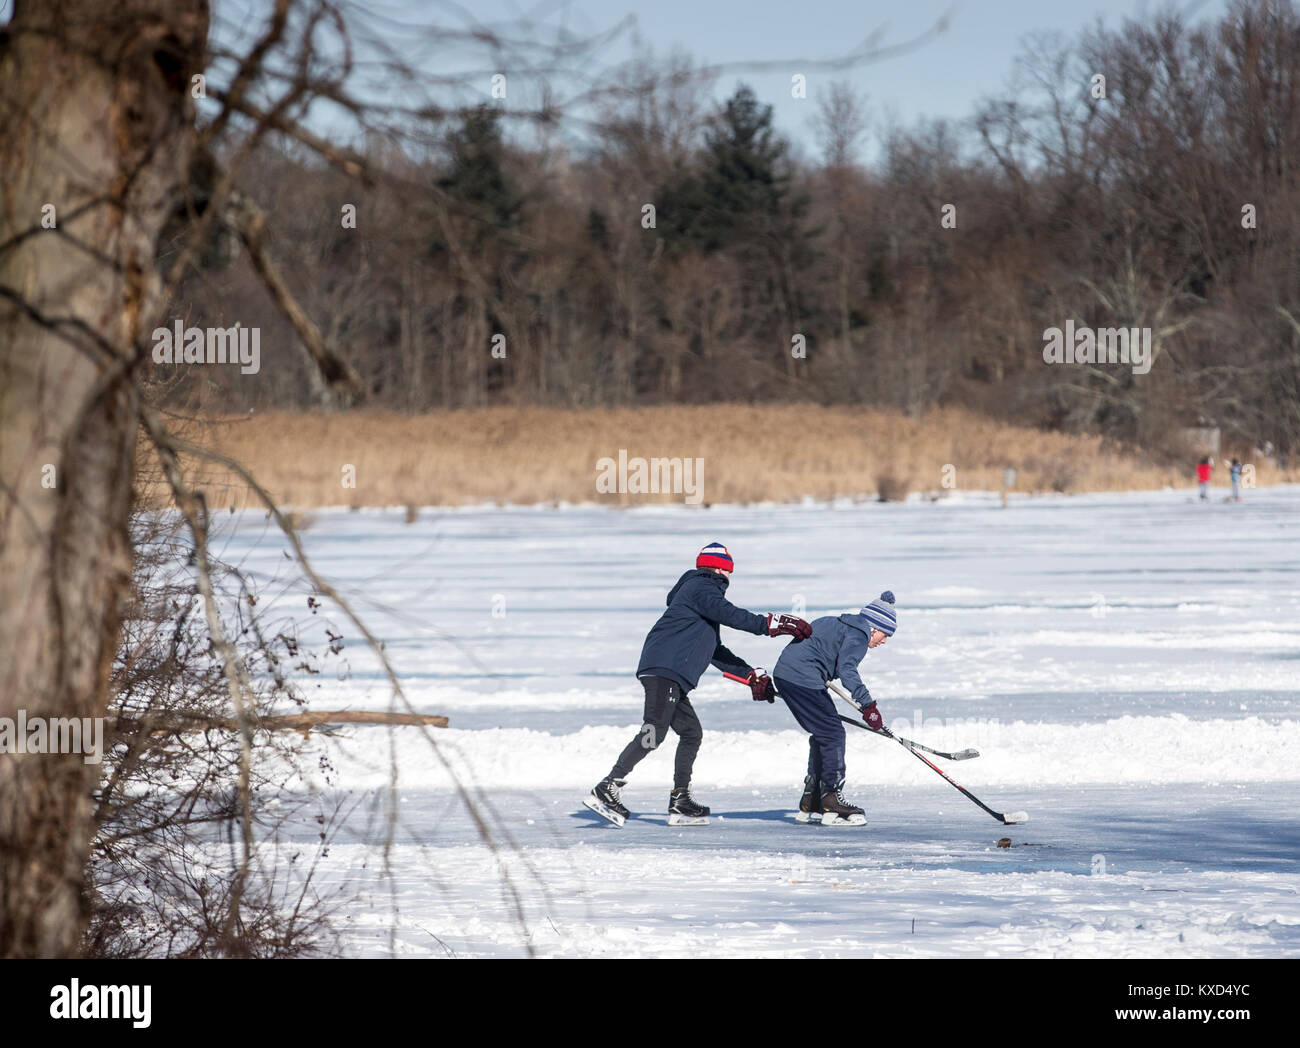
<point x="880" y="613"/>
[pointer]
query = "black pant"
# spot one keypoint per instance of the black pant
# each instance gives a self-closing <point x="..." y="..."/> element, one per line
<point x="666" y="706"/>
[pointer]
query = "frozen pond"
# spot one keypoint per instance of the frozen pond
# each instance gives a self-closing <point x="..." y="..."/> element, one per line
<point x="1129" y="665"/>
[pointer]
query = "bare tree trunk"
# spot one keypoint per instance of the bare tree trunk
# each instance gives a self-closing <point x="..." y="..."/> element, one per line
<point x="96" y="121"/>
<point x="448" y="332"/>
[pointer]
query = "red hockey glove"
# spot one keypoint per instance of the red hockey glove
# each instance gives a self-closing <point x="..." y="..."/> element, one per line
<point x="790" y="625"/>
<point x="872" y="716"/>
<point x="762" y="687"/>
<point x="760" y="684"/>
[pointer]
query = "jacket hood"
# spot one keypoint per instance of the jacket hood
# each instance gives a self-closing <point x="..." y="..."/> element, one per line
<point x="858" y="621"/>
<point x="707" y="573"/>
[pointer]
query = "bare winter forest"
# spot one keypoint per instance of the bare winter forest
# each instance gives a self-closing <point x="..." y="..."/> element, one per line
<point x="675" y="250"/>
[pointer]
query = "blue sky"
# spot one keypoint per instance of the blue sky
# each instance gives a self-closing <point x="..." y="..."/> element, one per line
<point x="944" y="77"/>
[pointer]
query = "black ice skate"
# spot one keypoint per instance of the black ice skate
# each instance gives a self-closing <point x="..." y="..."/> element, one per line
<point x="836" y="811"/>
<point x="683" y="811"/>
<point x="810" y="804"/>
<point x="605" y="800"/>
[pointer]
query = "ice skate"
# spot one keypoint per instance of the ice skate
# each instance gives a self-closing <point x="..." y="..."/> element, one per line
<point x="605" y="800"/>
<point x="810" y="804"/>
<point x="836" y="811"/>
<point x="683" y="811"/>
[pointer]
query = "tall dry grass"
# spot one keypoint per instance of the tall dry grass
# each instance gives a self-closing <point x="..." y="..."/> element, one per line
<point x="780" y="452"/>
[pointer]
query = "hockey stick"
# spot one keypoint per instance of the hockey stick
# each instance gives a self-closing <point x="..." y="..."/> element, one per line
<point x="960" y="755"/>
<point x="1007" y="818"/>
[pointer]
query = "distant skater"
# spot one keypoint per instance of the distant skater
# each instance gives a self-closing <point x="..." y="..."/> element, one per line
<point x="1234" y="472"/>
<point x="1203" y="470"/>
<point x="678" y="649"/>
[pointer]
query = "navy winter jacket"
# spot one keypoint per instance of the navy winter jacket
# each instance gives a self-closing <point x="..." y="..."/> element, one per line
<point x="834" y="650"/>
<point x="685" y="640"/>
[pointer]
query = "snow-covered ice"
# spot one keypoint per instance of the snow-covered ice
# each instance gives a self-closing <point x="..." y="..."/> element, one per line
<point x="1128" y="666"/>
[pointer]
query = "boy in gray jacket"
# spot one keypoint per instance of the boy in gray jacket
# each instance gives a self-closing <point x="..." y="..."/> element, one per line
<point x="837" y="645"/>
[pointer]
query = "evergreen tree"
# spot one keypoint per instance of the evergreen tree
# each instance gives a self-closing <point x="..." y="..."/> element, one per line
<point x="741" y="192"/>
<point x="476" y="175"/>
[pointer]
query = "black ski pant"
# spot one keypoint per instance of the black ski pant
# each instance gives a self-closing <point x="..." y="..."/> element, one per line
<point x="666" y="706"/>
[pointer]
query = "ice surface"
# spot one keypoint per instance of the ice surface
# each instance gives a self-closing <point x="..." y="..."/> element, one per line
<point x="1128" y="666"/>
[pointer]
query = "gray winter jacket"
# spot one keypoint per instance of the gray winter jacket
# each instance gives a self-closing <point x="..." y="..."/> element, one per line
<point x="834" y="650"/>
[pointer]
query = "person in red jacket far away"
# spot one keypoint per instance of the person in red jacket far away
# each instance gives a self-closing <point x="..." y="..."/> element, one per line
<point x="1203" y="469"/>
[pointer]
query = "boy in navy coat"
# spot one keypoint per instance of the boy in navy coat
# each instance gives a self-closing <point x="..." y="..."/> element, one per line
<point x="678" y="649"/>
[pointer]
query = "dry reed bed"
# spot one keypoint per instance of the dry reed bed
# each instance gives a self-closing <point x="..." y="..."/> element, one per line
<point x="750" y="454"/>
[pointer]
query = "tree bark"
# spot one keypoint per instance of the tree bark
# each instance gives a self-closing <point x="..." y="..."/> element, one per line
<point x="96" y="119"/>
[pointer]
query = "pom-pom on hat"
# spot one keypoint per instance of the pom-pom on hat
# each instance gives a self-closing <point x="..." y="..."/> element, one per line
<point x="880" y="613"/>
<point x="715" y="555"/>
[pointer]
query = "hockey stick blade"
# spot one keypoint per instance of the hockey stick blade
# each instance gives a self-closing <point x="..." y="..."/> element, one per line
<point x="1013" y="817"/>
<point x="960" y="755"/>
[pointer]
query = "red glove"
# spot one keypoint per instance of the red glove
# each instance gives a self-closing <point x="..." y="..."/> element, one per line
<point x="762" y="687"/>
<point x="790" y="625"/>
<point x="760" y="684"/>
<point x="872" y="716"/>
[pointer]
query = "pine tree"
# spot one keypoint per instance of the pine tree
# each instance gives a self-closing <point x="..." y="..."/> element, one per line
<point x="741" y="193"/>
<point x="476" y="176"/>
